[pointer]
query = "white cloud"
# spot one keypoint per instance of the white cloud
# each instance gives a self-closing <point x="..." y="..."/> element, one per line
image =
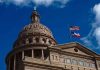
<point x="96" y="10"/>
<point x="18" y="2"/>
<point x="57" y="3"/>
<point x="97" y="35"/>
<point x="1" y="1"/>
<point x="43" y="2"/>
<point x="95" y="31"/>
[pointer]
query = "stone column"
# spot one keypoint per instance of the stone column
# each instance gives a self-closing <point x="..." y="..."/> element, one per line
<point x="41" y="41"/>
<point x="34" y="41"/>
<point x="27" y="41"/>
<point x="32" y="53"/>
<point x="42" y="55"/>
<point x="47" y="42"/>
<point x="22" y="55"/>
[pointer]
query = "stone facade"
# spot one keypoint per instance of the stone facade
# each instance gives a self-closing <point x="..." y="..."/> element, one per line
<point x="36" y="49"/>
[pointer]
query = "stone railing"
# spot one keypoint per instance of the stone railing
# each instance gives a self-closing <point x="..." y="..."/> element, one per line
<point x="36" y="60"/>
<point x="41" y="61"/>
<point x="57" y="64"/>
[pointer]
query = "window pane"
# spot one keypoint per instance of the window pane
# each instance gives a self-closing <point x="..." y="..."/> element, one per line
<point x="81" y="63"/>
<point x="74" y="61"/>
<point x="37" y="53"/>
<point x="30" y="40"/>
<point x="87" y="64"/>
<point x="68" y="61"/>
<point x="28" y="53"/>
<point x="92" y="65"/>
<point x="46" y="53"/>
<point x="53" y="57"/>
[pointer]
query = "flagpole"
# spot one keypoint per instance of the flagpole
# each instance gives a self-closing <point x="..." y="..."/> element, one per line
<point x="69" y="33"/>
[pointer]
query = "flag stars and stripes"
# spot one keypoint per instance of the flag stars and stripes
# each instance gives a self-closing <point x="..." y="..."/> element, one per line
<point x="74" y="28"/>
<point x="74" y="31"/>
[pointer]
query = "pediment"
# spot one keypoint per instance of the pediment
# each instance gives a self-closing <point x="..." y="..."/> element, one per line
<point x="77" y="48"/>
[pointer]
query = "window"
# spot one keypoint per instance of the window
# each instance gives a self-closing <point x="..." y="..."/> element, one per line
<point x="62" y="60"/>
<point x="19" y="56"/>
<point x="92" y="65"/>
<point x="30" y="40"/>
<point x="37" y="40"/>
<point x="44" y="40"/>
<point x="37" y="53"/>
<point x="68" y="60"/>
<point x="53" y="57"/>
<point x="81" y="63"/>
<point x="87" y="64"/>
<point x="56" y="57"/>
<point x="46" y="53"/>
<point x="50" y="42"/>
<point x="75" y="49"/>
<point x="28" y="53"/>
<point x="74" y="61"/>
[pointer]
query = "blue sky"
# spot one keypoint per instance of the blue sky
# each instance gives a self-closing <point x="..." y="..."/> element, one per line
<point x="57" y="15"/>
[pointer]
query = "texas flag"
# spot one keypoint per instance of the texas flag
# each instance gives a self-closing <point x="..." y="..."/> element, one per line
<point x="74" y="34"/>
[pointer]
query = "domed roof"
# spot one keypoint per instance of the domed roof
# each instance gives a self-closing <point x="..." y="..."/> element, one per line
<point x="35" y="27"/>
<point x="35" y="33"/>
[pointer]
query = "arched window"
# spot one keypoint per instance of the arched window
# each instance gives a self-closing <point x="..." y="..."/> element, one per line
<point x="50" y="42"/>
<point x="44" y="40"/>
<point x="37" y="40"/>
<point x="30" y="40"/>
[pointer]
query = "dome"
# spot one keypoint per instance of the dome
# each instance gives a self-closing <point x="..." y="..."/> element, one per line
<point x="36" y="28"/>
<point x="35" y="33"/>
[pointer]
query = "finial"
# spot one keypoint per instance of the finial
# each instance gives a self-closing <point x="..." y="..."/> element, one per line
<point x="35" y="16"/>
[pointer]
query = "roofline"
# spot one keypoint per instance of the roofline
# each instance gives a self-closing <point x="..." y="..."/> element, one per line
<point x="77" y="43"/>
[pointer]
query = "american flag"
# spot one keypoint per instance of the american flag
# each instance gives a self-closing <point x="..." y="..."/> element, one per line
<point x="74" y="28"/>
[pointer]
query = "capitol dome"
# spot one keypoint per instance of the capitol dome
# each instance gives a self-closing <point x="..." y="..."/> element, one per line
<point x="35" y="33"/>
<point x="36" y="28"/>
